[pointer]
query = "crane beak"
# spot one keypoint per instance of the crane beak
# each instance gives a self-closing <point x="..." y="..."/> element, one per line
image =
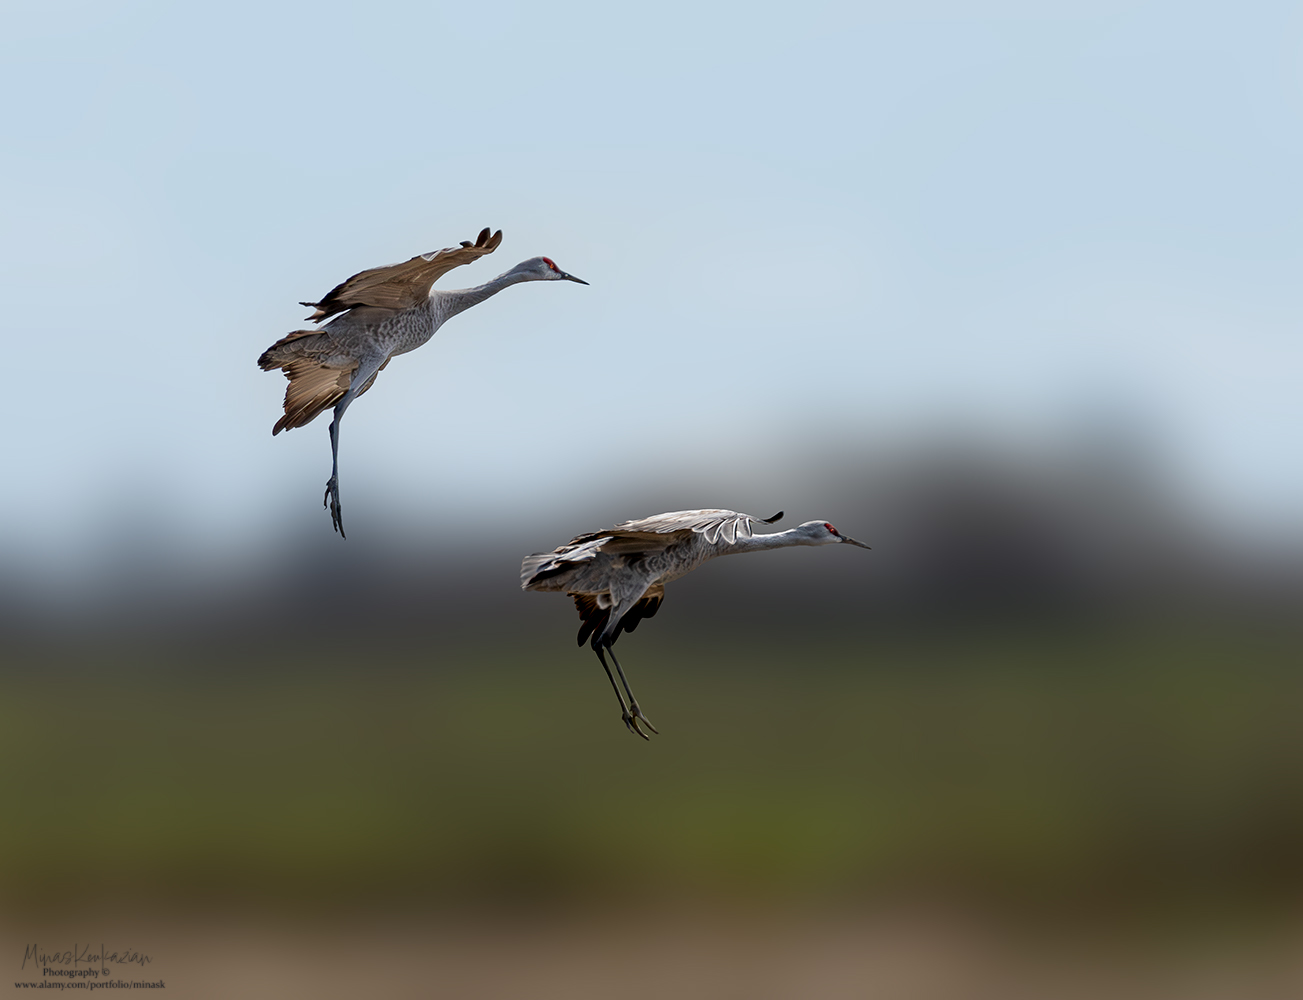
<point x="852" y="541"/>
<point x="571" y="277"/>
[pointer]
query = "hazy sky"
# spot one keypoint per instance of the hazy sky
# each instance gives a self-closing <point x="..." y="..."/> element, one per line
<point x="806" y="227"/>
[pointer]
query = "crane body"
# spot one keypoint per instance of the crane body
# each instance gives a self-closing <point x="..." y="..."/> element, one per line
<point x="617" y="577"/>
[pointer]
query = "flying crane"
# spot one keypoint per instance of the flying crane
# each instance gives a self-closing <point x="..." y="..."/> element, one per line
<point x="617" y="577"/>
<point x="379" y="314"/>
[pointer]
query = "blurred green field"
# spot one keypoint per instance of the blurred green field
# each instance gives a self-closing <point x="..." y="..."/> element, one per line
<point x="1158" y="765"/>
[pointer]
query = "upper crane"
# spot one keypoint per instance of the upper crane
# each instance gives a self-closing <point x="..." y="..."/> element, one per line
<point x="379" y="313"/>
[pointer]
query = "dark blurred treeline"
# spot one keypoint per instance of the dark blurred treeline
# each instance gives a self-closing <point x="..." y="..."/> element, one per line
<point x="959" y="535"/>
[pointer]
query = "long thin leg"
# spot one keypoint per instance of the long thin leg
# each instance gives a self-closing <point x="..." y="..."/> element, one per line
<point x="633" y="702"/>
<point x="629" y="721"/>
<point x="366" y="369"/>
<point x="332" y="484"/>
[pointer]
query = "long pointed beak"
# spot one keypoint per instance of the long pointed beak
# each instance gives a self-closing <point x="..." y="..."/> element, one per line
<point x="571" y="277"/>
<point x="852" y="541"/>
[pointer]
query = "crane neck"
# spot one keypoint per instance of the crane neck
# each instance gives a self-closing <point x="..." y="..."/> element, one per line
<point x="777" y="540"/>
<point x="450" y="303"/>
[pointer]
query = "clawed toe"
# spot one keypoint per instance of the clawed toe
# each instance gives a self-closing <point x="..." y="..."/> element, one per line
<point x="631" y="724"/>
<point x="639" y="717"/>
<point x="331" y="499"/>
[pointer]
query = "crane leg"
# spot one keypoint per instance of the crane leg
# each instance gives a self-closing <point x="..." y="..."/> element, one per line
<point x="366" y="370"/>
<point x="332" y="484"/>
<point x="634" y="710"/>
<point x="630" y="720"/>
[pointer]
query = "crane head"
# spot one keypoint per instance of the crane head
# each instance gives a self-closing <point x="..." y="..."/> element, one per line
<point x="823" y="533"/>
<point x="545" y="269"/>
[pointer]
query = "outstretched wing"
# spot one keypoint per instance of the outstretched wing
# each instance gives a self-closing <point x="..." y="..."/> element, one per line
<point x="714" y="525"/>
<point x="402" y="286"/>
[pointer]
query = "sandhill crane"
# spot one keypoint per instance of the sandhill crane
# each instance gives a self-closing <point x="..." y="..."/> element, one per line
<point x="386" y="311"/>
<point x="617" y="577"/>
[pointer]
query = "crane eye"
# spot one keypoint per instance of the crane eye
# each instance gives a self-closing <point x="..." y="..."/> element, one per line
<point x="830" y="527"/>
<point x="548" y="262"/>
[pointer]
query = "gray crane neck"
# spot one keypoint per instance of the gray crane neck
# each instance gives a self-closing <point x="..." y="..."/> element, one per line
<point x="449" y="303"/>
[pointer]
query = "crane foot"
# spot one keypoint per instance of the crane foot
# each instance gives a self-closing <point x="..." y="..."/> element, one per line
<point x="336" y="510"/>
<point x="631" y="724"/>
<point x="639" y="717"/>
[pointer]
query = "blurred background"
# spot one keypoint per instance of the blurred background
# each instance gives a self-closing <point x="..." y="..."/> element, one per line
<point x="1008" y="291"/>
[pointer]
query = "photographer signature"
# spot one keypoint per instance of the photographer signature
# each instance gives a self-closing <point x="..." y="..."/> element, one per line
<point x="80" y="954"/>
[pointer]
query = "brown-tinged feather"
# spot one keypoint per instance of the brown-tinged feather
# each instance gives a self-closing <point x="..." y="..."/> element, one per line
<point x="401" y="286"/>
<point x="270" y="358"/>
<point x="314" y="385"/>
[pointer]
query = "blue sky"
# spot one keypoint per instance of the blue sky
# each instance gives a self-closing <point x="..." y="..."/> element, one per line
<point x="805" y="228"/>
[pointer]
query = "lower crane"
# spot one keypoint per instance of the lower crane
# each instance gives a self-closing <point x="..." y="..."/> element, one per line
<point x="617" y="577"/>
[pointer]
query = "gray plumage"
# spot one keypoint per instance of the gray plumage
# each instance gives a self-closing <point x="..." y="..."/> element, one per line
<point x="379" y="314"/>
<point x="617" y="577"/>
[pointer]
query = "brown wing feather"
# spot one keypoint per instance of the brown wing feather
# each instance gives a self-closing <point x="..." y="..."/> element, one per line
<point x="401" y="286"/>
<point x="314" y="385"/>
<point x="313" y="388"/>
